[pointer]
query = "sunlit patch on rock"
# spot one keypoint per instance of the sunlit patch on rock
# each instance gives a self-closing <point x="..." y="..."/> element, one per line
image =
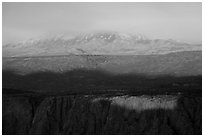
<point x="141" y="103"/>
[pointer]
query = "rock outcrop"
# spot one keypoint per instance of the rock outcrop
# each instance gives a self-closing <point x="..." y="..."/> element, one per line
<point x="91" y="115"/>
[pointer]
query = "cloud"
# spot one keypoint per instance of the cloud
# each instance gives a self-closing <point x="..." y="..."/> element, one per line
<point x="181" y="21"/>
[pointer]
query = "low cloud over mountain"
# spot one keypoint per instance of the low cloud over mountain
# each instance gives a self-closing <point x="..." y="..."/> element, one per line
<point x="104" y="43"/>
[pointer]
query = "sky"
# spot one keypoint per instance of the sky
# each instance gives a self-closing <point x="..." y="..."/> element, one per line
<point x="178" y="21"/>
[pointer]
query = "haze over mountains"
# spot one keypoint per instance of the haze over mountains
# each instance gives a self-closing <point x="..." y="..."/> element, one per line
<point x="104" y="43"/>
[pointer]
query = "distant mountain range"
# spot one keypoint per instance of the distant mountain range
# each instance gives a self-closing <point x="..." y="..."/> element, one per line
<point x="105" y="43"/>
<point x="101" y="61"/>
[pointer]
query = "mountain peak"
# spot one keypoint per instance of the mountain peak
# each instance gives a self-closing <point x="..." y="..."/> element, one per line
<point x="98" y="43"/>
<point x="108" y="37"/>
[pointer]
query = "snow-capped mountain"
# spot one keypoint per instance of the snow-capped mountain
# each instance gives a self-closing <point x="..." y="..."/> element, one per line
<point x="105" y="43"/>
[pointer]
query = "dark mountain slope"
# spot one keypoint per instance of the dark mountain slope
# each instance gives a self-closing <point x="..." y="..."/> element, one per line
<point x="98" y="82"/>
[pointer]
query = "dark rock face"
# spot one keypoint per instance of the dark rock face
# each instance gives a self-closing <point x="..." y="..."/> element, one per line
<point x="80" y="115"/>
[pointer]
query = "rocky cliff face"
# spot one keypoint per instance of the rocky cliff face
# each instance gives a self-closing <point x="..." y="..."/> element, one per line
<point x="101" y="115"/>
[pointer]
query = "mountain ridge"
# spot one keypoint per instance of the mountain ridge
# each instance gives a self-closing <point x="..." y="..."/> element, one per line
<point x="106" y="43"/>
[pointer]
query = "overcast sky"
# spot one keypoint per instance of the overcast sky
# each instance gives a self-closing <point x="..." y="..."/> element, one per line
<point x="179" y="21"/>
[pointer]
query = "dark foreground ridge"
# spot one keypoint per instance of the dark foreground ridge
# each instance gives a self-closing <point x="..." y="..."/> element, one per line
<point x="99" y="114"/>
<point x="81" y="81"/>
<point x="95" y="102"/>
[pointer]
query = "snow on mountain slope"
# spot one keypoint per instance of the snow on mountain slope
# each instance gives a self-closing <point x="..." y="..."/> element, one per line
<point x="106" y="43"/>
